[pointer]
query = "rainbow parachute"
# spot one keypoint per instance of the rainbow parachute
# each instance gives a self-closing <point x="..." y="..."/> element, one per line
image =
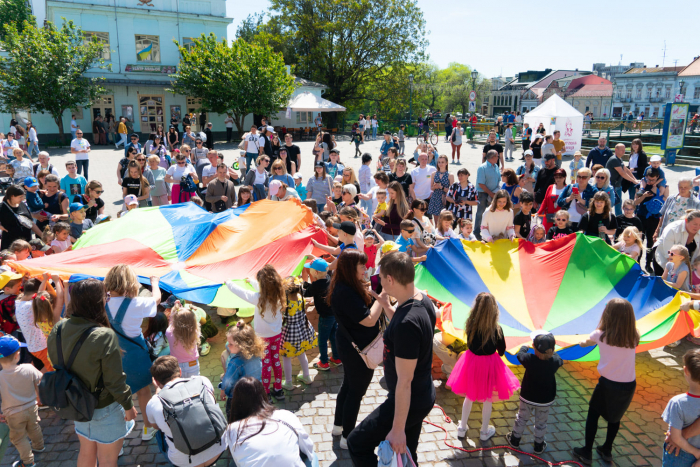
<point x="192" y="251"/>
<point x="561" y="286"/>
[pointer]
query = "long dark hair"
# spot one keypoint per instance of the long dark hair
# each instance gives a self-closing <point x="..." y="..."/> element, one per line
<point x="87" y="300"/>
<point x="159" y="323"/>
<point x="346" y="272"/>
<point x="251" y="401"/>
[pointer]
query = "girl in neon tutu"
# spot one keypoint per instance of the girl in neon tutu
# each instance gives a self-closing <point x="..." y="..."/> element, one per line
<point x="480" y="374"/>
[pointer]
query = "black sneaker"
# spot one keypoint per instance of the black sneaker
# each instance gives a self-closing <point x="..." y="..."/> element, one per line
<point x="606" y="455"/>
<point x="513" y="440"/>
<point x="277" y="394"/>
<point x="585" y="455"/>
<point x="540" y="447"/>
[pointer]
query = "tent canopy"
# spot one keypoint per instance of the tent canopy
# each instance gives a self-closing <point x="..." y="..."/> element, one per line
<point x="555" y="106"/>
<point x="308" y="102"/>
<point x="556" y="114"/>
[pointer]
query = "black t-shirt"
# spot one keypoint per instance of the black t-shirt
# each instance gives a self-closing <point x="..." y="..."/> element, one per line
<point x="539" y="386"/>
<point x="589" y="224"/>
<point x="409" y="335"/>
<point x="524" y="221"/>
<point x="90" y="213"/>
<point x="555" y="232"/>
<point x="624" y="222"/>
<point x="132" y="185"/>
<point x="123" y="165"/>
<point x="692" y="246"/>
<point x="490" y="347"/>
<point x="615" y="177"/>
<point x="292" y="152"/>
<point x="319" y="290"/>
<point x="14" y="230"/>
<point x="349" y="309"/>
<point x="496" y="147"/>
<point x="405" y="180"/>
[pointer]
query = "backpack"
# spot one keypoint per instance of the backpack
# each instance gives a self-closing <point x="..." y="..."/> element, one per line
<point x="187" y="184"/>
<point x="64" y="392"/>
<point x="37" y="167"/>
<point x="196" y="424"/>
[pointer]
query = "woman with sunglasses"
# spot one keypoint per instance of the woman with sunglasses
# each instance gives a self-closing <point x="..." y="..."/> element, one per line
<point x="259" y="180"/>
<point x="124" y="164"/>
<point x="602" y="183"/>
<point x="94" y="206"/>
<point x="576" y="197"/>
<point x="200" y="151"/>
<point x="549" y="206"/>
<point x="175" y="174"/>
<point x="279" y="172"/>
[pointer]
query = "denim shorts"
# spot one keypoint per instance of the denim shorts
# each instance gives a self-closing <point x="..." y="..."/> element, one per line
<point x="683" y="459"/>
<point x="107" y="425"/>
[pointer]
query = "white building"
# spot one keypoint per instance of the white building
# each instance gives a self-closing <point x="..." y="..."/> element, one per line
<point x="645" y="90"/>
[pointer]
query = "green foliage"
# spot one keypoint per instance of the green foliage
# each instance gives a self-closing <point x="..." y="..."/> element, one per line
<point x="15" y="12"/>
<point x="248" y="28"/>
<point x="239" y="79"/>
<point x="42" y="69"/>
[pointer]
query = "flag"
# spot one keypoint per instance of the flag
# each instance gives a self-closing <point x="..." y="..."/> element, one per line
<point x="145" y="52"/>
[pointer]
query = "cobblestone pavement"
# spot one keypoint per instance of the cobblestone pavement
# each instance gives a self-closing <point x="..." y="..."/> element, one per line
<point x="639" y="443"/>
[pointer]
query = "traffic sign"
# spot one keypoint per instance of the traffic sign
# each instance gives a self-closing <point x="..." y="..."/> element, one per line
<point x="472" y="106"/>
<point x="472" y="96"/>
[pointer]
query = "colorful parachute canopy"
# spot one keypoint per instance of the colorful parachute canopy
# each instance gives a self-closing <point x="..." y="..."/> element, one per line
<point x="192" y="251"/>
<point x="561" y="286"/>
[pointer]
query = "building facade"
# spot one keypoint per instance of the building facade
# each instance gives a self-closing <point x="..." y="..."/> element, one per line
<point x="645" y="90"/>
<point x="689" y="77"/>
<point x="609" y="72"/>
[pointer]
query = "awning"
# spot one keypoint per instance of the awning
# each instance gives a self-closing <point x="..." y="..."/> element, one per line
<point x="308" y="102"/>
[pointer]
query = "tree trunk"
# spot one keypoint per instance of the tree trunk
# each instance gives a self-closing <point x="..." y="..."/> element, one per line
<point x="238" y="120"/>
<point x="59" y="123"/>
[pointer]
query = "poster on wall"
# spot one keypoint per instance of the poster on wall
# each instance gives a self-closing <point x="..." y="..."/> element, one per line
<point x="675" y="119"/>
<point x="128" y="112"/>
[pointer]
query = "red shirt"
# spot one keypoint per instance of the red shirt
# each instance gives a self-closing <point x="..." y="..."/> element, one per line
<point x="371" y="252"/>
<point x="8" y="322"/>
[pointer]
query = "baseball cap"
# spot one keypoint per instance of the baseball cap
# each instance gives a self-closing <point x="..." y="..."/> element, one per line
<point x="318" y="264"/>
<point x="9" y="345"/>
<point x="543" y="340"/>
<point x="8" y="276"/>
<point x="347" y="227"/>
<point x="549" y="157"/>
<point x="272" y="129"/>
<point x="170" y="302"/>
<point x="335" y="151"/>
<point x="130" y="199"/>
<point x="387" y="133"/>
<point x="320" y="164"/>
<point x="655" y="159"/>
<point x="274" y="187"/>
<point x="134" y="135"/>
<point x="76" y="207"/>
<point x="538" y="136"/>
<point x="297" y="176"/>
<point x="30" y="182"/>
<point x="37" y="244"/>
<point x="528" y="153"/>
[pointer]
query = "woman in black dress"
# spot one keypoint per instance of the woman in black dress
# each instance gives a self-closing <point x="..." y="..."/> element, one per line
<point x="15" y="218"/>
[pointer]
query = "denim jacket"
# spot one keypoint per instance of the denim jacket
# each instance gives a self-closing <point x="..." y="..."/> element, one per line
<point x="586" y="194"/>
<point x="237" y="368"/>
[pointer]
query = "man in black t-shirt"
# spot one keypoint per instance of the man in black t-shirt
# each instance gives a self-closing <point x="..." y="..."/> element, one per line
<point x="293" y="151"/>
<point x="492" y="143"/>
<point x="408" y="356"/>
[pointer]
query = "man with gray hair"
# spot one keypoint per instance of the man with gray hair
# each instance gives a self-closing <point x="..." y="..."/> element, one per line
<point x="44" y="164"/>
<point x="488" y="177"/>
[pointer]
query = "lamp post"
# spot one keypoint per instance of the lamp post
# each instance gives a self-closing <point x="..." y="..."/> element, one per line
<point x="681" y="83"/>
<point x="475" y="75"/>
<point x="612" y="96"/>
<point x="410" y="104"/>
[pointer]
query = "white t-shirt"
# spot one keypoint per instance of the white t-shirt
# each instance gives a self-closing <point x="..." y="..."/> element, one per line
<point x="23" y="169"/>
<point x="421" y="179"/>
<point x="207" y="171"/>
<point x="276" y="445"/>
<point x="35" y="339"/>
<point x="154" y="412"/>
<point x="61" y="246"/>
<point x="8" y="147"/>
<point x="179" y="171"/>
<point x="80" y="145"/>
<point x="229" y="122"/>
<point x="375" y="124"/>
<point x="255" y="142"/>
<point x="32" y="135"/>
<point x="259" y="177"/>
<point x="139" y="308"/>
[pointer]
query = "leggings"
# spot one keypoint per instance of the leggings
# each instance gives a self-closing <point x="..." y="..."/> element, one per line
<point x="271" y="363"/>
<point x="592" y="429"/>
<point x="303" y="361"/>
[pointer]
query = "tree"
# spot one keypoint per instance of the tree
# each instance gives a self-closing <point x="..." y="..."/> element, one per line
<point x="15" y="12"/>
<point x="458" y="84"/>
<point x="239" y="79"/>
<point x="43" y="70"/>
<point x="248" y="28"/>
<point x="349" y="44"/>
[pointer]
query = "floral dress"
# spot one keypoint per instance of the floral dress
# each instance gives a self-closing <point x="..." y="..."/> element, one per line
<point x="437" y="198"/>
<point x="298" y="335"/>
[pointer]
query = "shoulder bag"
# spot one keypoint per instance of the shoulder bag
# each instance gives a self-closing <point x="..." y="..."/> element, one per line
<point x="373" y="354"/>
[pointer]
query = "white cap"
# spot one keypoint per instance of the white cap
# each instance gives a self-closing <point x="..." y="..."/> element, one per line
<point x="528" y="152"/>
<point x="655" y="159"/>
<point x="338" y="178"/>
<point x="271" y="129"/>
<point x="274" y="187"/>
<point x="297" y="176"/>
<point x="538" y="136"/>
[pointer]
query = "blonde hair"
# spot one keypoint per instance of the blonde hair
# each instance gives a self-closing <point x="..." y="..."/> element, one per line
<point x="42" y="308"/>
<point x="444" y="216"/>
<point x="185" y="326"/>
<point x="153" y="158"/>
<point x="633" y="232"/>
<point x="272" y="293"/>
<point x="122" y="281"/>
<point x="249" y="344"/>
<point x="483" y="319"/>
<point x="353" y="178"/>
<point x="685" y="254"/>
<point x="278" y="163"/>
<point x="399" y="203"/>
<point x="563" y="213"/>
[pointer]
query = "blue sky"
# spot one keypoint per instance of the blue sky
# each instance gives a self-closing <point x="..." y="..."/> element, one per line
<point x="507" y="40"/>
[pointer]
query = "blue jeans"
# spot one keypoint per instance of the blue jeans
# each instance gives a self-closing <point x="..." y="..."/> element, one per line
<point x="326" y="331"/>
<point x="72" y="132"/>
<point x="250" y="158"/>
<point x="83" y="164"/>
<point x="374" y="132"/>
<point x="618" y="200"/>
<point x="683" y="459"/>
<point x="33" y="147"/>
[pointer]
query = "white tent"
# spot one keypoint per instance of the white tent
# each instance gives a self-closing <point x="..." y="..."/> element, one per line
<point x="308" y="102"/>
<point x="556" y="114"/>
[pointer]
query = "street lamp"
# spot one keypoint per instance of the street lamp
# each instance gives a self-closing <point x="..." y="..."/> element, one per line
<point x="475" y="75"/>
<point x="681" y="83"/>
<point x="410" y="105"/>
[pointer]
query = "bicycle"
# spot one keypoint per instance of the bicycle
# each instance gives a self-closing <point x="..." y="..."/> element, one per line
<point x="428" y="136"/>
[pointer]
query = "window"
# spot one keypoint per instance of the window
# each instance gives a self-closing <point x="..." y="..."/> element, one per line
<point x="629" y="94"/>
<point x="668" y="92"/>
<point x="595" y="110"/>
<point x="187" y="43"/>
<point x="147" y="48"/>
<point x="639" y="93"/>
<point x="151" y="112"/>
<point x="101" y="37"/>
<point x="304" y="117"/>
<point x="696" y="92"/>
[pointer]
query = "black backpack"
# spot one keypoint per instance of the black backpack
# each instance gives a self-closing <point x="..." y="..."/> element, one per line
<point x="64" y="392"/>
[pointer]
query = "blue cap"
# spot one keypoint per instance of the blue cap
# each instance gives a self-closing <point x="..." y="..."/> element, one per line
<point x="30" y="182"/>
<point x="76" y="207"/>
<point x="318" y="264"/>
<point x="9" y="345"/>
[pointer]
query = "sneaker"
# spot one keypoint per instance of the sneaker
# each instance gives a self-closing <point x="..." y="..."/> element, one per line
<point x="335" y="361"/>
<point x="343" y="443"/>
<point x="19" y="463"/>
<point x="39" y="450"/>
<point x="513" y="440"/>
<point x="206" y="348"/>
<point x="445" y="369"/>
<point x="305" y="380"/>
<point x="606" y="455"/>
<point x="490" y="431"/>
<point x="322" y="366"/>
<point x="148" y="433"/>
<point x="674" y="344"/>
<point x="121" y="452"/>
<point x="288" y="386"/>
<point x="462" y="431"/>
<point x="584" y="455"/>
<point x="277" y="394"/>
<point x="337" y="430"/>
<point x="540" y="447"/>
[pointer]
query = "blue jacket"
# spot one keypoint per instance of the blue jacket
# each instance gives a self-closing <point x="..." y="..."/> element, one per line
<point x="237" y="368"/>
<point x="598" y="156"/>
<point x="586" y="194"/>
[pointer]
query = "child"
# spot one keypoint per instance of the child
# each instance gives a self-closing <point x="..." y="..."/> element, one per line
<point x="682" y="410"/>
<point x="78" y="222"/>
<point x="695" y="275"/>
<point x="47" y="235"/>
<point x="19" y="388"/>
<point x="444" y="226"/>
<point x="130" y="203"/>
<point x="539" y="388"/>
<point x="155" y="334"/>
<point x="337" y="193"/>
<point x="372" y="243"/>
<point x="299" y="186"/>
<point x="247" y="351"/>
<point x="523" y="220"/>
<point x="11" y="284"/>
<point x="346" y="235"/>
<point x="405" y="240"/>
<point x="677" y="270"/>
<point x="317" y="288"/>
<point x="62" y="240"/>
<point x="380" y="211"/>
<point x="73" y="183"/>
<point x="466" y="227"/>
<point x="244" y="196"/>
<point x="298" y="335"/>
<point x="21" y="249"/>
<point x="630" y="243"/>
<point x="401" y="137"/>
<point x="270" y="300"/>
<point x="357" y="139"/>
<point x="561" y="227"/>
<point x="655" y="163"/>
<point x="34" y="202"/>
<point x="628" y="218"/>
<point x="497" y="220"/>
<point x="538" y="234"/>
<point x="183" y="336"/>
<point x="480" y="374"/>
<point x="617" y="338"/>
<point x="39" y="248"/>
<point x="576" y="164"/>
<point x="197" y="200"/>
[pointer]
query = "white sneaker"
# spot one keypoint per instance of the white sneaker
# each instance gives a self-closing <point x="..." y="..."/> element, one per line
<point x="121" y="452"/>
<point x="288" y="386"/>
<point x="462" y="432"/>
<point x="337" y="430"/>
<point x="489" y="433"/>
<point x="148" y="433"/>
<point x="343" y="443"/>
<point x="206" y="348"/>
<point x="305" y="380"/>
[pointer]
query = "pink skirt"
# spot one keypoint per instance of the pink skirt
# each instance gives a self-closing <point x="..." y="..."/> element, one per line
<point x="175" y="195"/>
<point x="482" y="378"/>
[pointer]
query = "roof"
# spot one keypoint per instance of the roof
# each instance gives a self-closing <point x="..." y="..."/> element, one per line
<point x="556" y="74"/>
<point x="308" y="102"/>
<point x="307" y="83"/>
<point x="691" y="70"/>
<point x="593" y="90"/>
<point x="658" y="69"/>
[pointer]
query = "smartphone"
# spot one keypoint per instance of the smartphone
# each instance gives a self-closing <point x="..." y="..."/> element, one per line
<point x="574" y="190"/>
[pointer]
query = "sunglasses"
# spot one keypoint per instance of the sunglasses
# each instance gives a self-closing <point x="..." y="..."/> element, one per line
<point x="77" y="134"/>
<point x="409" y="231"/>
<point x="278" y="168"/>
<point x="559" y="176"/>
<point x="199" y="142"/>
<point x="99" y="192"/>
<point x="140" y="159"/>
<point x="599" y="177"/>
<point x="181" y="162"/>
<point x="581" y="176"/>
